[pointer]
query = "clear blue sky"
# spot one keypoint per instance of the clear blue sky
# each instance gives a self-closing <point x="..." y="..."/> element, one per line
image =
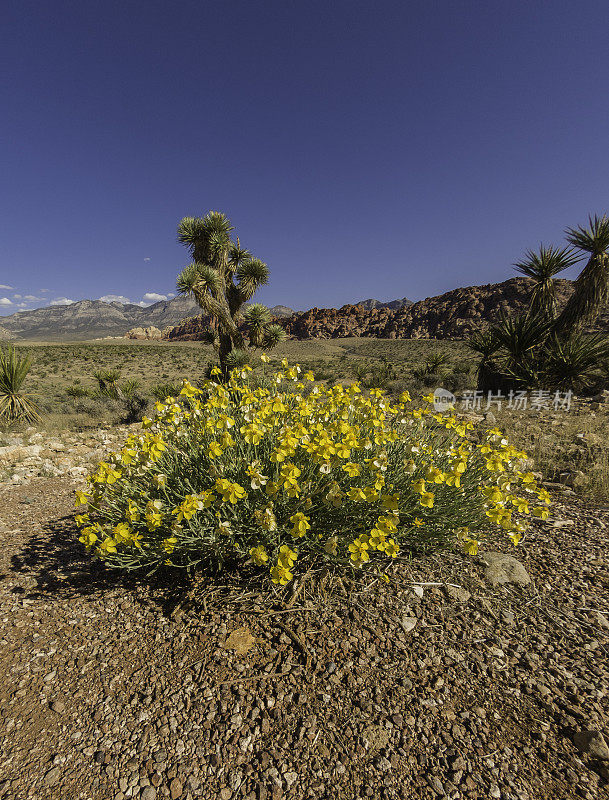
<point x="362" y="149"/>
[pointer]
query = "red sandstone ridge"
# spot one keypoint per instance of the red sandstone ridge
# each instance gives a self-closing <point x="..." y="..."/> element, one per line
<point x="452" y="315"/>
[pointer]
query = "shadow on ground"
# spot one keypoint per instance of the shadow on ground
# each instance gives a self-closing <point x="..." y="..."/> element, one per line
<point x="53" y="563"/>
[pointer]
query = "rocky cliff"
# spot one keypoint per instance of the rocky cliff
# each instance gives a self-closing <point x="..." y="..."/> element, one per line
<point x="452" y="315"/>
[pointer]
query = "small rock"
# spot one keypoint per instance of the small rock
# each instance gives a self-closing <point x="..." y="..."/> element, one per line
<point x="458" y="764"/>
<point x="562" y="523"/>
<point x="457" y="594"/>
<point x="437" y="785"/>
<point x="175" y="789"/>
<point x="58" y="707"/>
<point x="149" y="793"/>
<point x="592" y="743"/>
<point x="241" y="641"/>
<point x="408" y="623"/>
<point x="52" y="776"/>
<point x="602" y="621"/>
<point x="290" y="778"/>
<point x="502" y="569"/>
<point x="226" y="793"/>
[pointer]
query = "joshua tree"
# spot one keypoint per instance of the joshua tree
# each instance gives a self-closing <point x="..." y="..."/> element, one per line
<point x="538" y="347"/>
<point x="222" y="277"/>
<point x="591" y="288"/>
<point x="542" y="266"/>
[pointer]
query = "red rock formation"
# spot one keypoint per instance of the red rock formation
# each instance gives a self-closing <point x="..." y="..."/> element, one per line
<point x="452" y="315"/>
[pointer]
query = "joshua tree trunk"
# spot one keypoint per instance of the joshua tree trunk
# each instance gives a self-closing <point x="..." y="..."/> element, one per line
<point x="590" y="295"/>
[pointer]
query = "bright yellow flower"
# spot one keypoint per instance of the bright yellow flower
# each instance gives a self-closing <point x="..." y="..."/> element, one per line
<point x="82" y="498"/>
<point x="88" y="537"/>
<point x="169" y="544"/>
<point x="214" y="449"/>
<point x="300" y="524"/>
<point x="259" y="555"/>
<point x="494" y="463"/>
<point x="107" y="546"/>
<point x="286" y="556"/>
<point x="188" y="390"/>
<point x="133" y="512"/>
<point x="231" y="492"/>
<point x="121" y="533"/>
<point x="471" y="547"/>
<point x="427" y="499"/>
<point x="392" y="548"/>
<point x="281" y="575"/>
<point x="252" y="434"/>
<point x="541" y="512"/>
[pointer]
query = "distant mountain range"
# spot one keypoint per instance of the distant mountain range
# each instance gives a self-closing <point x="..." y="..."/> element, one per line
<point x="94" y="319"/>
<point x="91" y="319"/>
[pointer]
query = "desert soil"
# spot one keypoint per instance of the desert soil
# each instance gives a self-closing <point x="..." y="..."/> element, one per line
<point x="437" y="684"/>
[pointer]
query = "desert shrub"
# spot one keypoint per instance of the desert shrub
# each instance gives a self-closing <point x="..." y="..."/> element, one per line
<point x="164" y="390"/>
<point x="77" y="391"/>
<point x="135" y="406"/>
<point x="232" y="474"/>
<point x="85" y="405"/>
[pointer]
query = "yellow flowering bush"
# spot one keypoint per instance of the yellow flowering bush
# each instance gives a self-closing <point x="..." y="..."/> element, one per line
<point x="279" y="475"/>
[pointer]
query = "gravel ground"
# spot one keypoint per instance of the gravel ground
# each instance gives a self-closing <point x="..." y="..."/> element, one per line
<point x="438" y="684"/>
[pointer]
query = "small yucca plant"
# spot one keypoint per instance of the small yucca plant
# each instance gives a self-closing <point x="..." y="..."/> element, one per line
<point x="15" y="405"/>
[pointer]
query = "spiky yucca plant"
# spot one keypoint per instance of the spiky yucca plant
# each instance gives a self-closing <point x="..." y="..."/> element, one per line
<point x="542" y="266"/>
<point x="484" y="342"/>
<point x="537" y="348"/>
<point x="222" y="278"/>
<point x="15" y="405"/>
<point x="591" y="289"/>
<point x="576" y="362"/>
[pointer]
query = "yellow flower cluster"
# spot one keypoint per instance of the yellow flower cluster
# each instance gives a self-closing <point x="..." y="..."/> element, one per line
<point x="238" y="470"/>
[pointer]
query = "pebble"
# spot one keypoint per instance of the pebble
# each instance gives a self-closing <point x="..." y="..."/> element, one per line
<point x="502" y="569"/>
<point x="52" y="777"/>
<point x="592" y="743"/>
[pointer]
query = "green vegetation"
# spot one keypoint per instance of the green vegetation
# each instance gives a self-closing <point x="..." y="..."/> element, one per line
<point x="222" y="278"/>
<point x="592" y="285"/>
<point x="539" y="349"/>
<point x="63" y="377"/>
<point x="15" y="404"/>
